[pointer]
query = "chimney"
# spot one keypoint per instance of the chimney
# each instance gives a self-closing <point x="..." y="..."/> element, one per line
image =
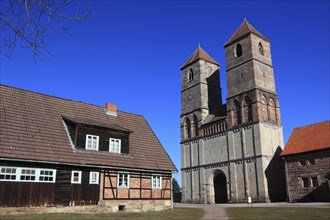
<point x="111" y="109"/>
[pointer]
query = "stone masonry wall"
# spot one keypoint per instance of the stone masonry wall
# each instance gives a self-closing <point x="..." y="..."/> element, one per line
<point x="308" y="165"/>
<point x="103" y="207"/>
<point x="247" y="156"/>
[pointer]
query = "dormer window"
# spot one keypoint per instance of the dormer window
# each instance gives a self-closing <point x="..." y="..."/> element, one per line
<point x="190" y="75"/>
<point x="238" y="50"/>
<point x="92" y="142"/>
<point x="115" y="145"/>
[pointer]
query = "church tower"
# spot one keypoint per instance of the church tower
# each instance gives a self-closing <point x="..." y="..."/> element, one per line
<point x="250" y="78"/>
<point x="200" y="91"/>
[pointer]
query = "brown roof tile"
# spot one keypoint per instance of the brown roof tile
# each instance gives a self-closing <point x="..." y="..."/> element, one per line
<point x="308" y="138"/>
<point x="242" y="31"/>
<point x="199" y="54"/>
<point x="31" y="128"/>
<point x="87" y="121"/>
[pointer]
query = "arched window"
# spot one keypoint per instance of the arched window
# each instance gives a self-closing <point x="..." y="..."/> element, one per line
<point x="190" y="75"/>
<point x="264" y="111"/>
<point x="196" y="125"/>
<point x="188" y="128"/>
<point x="247" y="109"/>
<point x="261" y="49"/>
<point x="238" y="50"/>
<point x="271" y="111"/>
<point x="237" y="113"/>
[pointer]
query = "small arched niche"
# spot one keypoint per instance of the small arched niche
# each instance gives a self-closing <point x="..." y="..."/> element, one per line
<point x="247" y="109"/>
<point x="195" y="126"/>
<point x="188" y="128"/>
<point x="261" y="48"/>
<point x="237" y="117"/>
<point x="190" y="75"/>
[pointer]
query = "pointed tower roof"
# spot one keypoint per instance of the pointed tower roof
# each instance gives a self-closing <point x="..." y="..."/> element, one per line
<point x="199" y="54"/>
<point x="243" y="30"/>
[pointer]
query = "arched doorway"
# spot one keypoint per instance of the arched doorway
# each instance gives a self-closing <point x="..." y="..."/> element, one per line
<point x="220" y="188"/>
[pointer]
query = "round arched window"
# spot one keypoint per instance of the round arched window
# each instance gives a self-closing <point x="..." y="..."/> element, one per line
<point x="238" y="50"/>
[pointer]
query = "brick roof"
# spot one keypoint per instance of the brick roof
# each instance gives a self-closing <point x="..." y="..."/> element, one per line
<point x="243" y="30"/>
<point x="199" y="54"/>
<point x="308" y="138"/>
<point x="31" y="128"/>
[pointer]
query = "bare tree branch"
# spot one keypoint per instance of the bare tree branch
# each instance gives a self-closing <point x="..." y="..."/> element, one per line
<point x="30" y="23"/>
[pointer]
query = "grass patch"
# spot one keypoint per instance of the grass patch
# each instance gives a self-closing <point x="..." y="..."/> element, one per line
<point x="289" y="213"/>
<point x="176" y="214"/>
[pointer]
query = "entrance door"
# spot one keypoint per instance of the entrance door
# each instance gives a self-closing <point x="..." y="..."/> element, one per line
<point x="220" y="188"/>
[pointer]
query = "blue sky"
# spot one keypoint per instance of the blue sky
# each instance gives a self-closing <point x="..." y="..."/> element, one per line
<point x="130" y="53"/>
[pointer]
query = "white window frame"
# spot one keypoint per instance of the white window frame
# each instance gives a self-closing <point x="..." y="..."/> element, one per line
<point x="37" y="174"/>
<point x="32" y="174"/>
<point x="4" y="171"/>
<point x="154" y="184"/>
<point x="91" y="181"/>
<point x="87" y="147"/>
<point x="44" y="175"/>
<point x="121" y="175"/>
<point x="119" y="145"/>
<point x="79" y="176"/>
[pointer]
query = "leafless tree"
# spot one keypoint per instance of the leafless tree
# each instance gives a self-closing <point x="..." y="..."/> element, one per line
<point x="30" y="23"/>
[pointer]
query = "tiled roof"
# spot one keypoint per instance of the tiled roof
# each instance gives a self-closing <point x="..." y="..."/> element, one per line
<point x="199" y="54"/>
<point x="308" y="138"/>
<point x="31" y="128"/>
<point x="87" y="121"/>
<point x="242" y="31"/>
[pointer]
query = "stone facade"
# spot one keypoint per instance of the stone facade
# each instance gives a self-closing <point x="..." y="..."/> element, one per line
<point x="231" y="152"/>
<point x="313" y="168"/>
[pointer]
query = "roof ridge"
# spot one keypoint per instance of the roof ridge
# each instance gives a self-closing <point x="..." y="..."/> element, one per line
<point x="248" y="25"/>
<point x="313" y="124"/>
<point x="57" y="97"/>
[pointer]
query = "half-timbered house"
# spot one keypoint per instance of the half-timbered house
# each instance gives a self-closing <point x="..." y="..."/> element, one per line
<point x="55" y="151"/>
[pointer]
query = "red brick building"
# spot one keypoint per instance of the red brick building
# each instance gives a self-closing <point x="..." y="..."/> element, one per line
<point x="307" y="162"/>
<point x="55" y="151"/>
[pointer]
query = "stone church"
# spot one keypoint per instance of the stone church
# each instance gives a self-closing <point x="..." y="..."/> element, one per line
<point x="231" y="151"/>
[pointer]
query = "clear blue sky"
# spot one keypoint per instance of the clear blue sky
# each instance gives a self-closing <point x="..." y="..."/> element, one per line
<point x="130" y="53"/>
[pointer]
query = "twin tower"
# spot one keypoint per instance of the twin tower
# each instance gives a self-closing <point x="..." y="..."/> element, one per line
<point x="230" y="151"/>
